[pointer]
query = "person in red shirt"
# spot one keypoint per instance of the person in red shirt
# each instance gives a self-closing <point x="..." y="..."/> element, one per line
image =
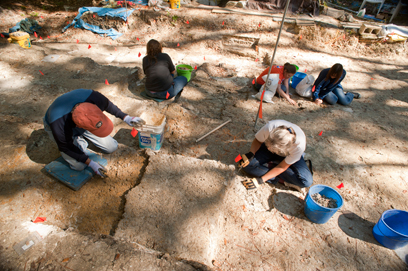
<point x="285" y="73"/>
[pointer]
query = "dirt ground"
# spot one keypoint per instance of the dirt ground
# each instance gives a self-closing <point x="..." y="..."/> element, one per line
<point x="364" y="145"/>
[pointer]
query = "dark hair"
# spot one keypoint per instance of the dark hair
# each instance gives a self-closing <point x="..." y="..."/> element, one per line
<point x="289" y="68"/>
<point x="337" y="69"/>
<point x="153" y="48"/>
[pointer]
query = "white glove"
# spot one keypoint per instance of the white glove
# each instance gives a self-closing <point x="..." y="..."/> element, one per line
<point x="97" y="168"/>
<point x="134" y="121"/>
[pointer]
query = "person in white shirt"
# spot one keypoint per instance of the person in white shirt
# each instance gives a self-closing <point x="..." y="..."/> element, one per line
<point x="276" y="155"/>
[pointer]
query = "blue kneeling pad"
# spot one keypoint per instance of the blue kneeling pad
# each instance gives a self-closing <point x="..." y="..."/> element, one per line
<point x="61" y="170"/>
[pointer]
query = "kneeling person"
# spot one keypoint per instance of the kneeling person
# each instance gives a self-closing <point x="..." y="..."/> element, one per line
<point x="76" y="116"/>
<point x="277" y="153"/>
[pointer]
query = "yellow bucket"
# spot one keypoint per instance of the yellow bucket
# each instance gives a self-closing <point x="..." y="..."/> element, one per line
<point x="22" y="38"/>
<point x="175" y="4"/>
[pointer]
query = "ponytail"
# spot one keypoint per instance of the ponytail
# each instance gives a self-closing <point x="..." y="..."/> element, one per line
<point x="289" y="68"/>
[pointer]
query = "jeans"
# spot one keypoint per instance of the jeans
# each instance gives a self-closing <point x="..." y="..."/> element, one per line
<point x="105" y="144"/>
<point x="338" y="96"/>
<point x="178" y="84"/>
<point x="264" y="160"/>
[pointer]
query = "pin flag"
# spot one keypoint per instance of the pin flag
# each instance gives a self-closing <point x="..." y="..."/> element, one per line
<point x="313" y="89"/>
<point x="134" y="132"/>
<point x="115" y="49"/>
<point x="137" y="39"/>
<point x="41" y="17"/>
<point x="40" y="38"/>
<point x="167" y="95"/>
<point x="77" y="40"/>
<point x="256" y="60"/>
<point x="41" y="72"/>
<point x="89" y="46"/>
<point x="94" y="15"/>
<point x="222" y="22"/>
<point x="238" y="158"/>
<point x="321" y="132"/>
<point x="178" y="44"/>
<point x="253" y="82"/>
<point x="106" y="82"/>
<point x="300" y="37"/>
<point x="139" y="54"/>
<point x="2" y="35"/>
<point x="48" y="36"/>
<point x="204" y="58"/>
<point x="340" y="186"/>
<point x="260" y="106"/>
<point x="187" y="22"/>
<point x="305" y="70"/>
<point x="259" y="25"/>
<point x="40" y="220"/>
<point x="195" y="67"/>
<point x="35" y="34"/>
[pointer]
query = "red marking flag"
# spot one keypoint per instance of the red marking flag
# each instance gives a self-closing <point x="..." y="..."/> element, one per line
<point x="94" y="15"/>
<point x="167" y="95"/>
<point x="321" y="132"/>
<point x="106" y="82"/>
<point x="139" y="54"/>
<point x="340" y="186"/>
<point x="238" y="158"/>
<point x="48" y="36"/>
<point x="260" y="105"/>
<point x="259" y="25"/>
<point x="253" y="82"/>
<point x="77" y="40"/>
<point x="41" y="17"/>
<point x="305" y="70"/>
<point x="41" y="72"/>
<point x="256" y="60"/>
<point x="2" y="35"/>
<point x="89" y="46"/>
<point x="115" y="49"/>
<point x="178" y="44"/>
<point x="134" y="132"/>
<point x="137" y="39"/>
<point x="40" y="38"/>
<point x="300" y="37"/>
<point x="195" y="67"/>
<point x="187" y="22"/>
<point x="39" y="220"/>
<point x="35" y="34"/>
<point x="313" y="89"/>
<point x="222" y="22"/>
<point x="204" y="58"/>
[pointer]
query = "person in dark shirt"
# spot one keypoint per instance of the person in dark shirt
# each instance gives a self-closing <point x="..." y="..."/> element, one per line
<point x="328" y="88"/>
<point x="160" y="70"/>
<point x="76" y="116"/>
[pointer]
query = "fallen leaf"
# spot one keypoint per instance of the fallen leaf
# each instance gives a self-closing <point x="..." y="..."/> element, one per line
<point x="117" y="257"/>
<point x="65" y="260"/>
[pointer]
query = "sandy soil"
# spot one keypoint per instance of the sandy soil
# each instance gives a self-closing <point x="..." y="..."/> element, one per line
<point x="363" y="146"/>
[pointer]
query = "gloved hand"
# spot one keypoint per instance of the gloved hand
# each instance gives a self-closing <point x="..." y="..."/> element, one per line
<point x="97" y="168"/>
<point x="253" y="183"/>
<point x="134" y="121"/>
<point x="246" y="159"/>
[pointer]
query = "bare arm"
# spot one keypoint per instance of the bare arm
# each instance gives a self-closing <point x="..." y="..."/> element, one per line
<point x="286" y="83"/>
<point x="255" y="146"/>
<point x="283" y="94"/>
<point x="282" y="167"/>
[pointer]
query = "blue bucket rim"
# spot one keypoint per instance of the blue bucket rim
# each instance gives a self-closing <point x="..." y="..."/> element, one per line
<point x="326" y="186"/>
<point x="391" y="229"/>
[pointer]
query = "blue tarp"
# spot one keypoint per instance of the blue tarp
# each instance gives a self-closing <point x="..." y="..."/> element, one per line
<point x="79" y="23"/>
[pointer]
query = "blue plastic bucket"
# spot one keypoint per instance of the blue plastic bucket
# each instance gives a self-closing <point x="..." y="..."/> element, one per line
<point x="391" y="229"/>
<point x="297" y="77"/>
<point x="319" y="214"/>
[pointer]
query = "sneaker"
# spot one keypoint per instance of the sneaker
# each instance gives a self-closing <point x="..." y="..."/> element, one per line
<point x="297" y="188"/>
<point x="355" y="94"/>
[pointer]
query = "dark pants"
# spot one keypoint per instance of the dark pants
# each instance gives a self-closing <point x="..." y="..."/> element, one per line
<point x="264" y="160"/>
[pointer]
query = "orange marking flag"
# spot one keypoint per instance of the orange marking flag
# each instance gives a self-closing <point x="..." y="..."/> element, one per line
<point x="167" y="95"/>
<point x="41" y="72"/>
<point x="340" y="186"/>
<point x="139" y="54"/>
<point x="89" y="46"/>
<point x="134" y="132"/>
<point x="40" y="220"/>
<point x="106" y="82"/>
<point x="238" y="158"/>
<point x="321" y="132"/>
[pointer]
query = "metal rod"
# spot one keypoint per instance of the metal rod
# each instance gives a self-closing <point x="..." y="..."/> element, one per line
<point x="212" y="131"/>
<point x="273" y="56"/>
<point x="126" y="11"/>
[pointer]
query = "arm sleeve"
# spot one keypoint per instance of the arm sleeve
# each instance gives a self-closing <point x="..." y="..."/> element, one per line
<point x="171" y="65"/>
<point x="318" y="86"/>
<point x="105" y="105"/>
<point x="263" y="134"/>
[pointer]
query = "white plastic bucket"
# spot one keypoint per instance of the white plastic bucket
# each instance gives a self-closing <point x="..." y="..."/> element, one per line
<point x="151" y="134"/>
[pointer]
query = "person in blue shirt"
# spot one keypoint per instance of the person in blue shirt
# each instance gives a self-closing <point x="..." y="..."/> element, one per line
<point x="77" y="116"/>
<point x="328" y="88"/>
